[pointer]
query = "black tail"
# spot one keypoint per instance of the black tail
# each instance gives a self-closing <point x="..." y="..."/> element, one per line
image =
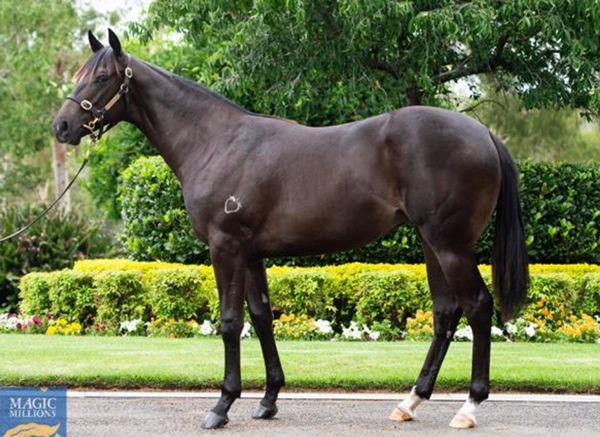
<point x="510" y="267"/>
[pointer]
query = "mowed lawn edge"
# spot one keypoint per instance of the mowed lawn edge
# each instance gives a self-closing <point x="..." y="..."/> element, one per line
<point x="142" y="362"/>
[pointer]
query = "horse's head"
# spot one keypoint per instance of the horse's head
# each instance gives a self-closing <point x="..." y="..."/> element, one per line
<point x="97" y="99"/>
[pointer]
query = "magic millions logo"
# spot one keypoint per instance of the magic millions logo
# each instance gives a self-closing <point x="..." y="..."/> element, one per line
<point x="33" y="412"/>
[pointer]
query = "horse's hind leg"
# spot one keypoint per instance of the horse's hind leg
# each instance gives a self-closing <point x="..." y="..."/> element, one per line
<point x="465" y="282"/>
<point x="447" y="313"/>
<point x="257" y="296"/>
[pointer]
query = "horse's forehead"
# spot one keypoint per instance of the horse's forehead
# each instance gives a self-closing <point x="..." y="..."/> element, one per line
<point x="94" y="63"/>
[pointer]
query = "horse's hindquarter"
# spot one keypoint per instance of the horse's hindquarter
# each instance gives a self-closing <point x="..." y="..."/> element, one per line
<point x="450" y="171"/>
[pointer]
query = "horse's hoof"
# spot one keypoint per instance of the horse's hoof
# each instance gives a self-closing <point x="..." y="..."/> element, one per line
<point x="265" y="412"/>
<point x="214" y="421"/>
<point x="463" y="421"/>
<point x="402" y="415"/>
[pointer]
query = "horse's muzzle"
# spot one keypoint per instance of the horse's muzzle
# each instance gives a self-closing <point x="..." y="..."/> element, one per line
<point x="64" y="133"/>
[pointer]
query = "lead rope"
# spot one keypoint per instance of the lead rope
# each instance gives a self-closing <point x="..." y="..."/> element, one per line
<point x="60" y="196"/>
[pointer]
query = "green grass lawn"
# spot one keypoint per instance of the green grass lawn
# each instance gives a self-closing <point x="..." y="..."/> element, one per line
<point x="134" y="362"/>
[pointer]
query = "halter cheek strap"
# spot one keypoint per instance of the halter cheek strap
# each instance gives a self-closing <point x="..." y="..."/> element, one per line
<point x="97" y="123"/>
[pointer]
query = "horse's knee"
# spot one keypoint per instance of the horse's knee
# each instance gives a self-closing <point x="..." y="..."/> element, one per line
<point x="231" y="328"/>
<point x="480" y="309"/>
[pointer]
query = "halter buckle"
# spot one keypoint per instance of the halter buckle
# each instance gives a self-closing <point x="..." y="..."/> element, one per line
<point x="92" y="124"/>
<point x="124" y="88"/>
<point x="128" y="72"/>
<point x="86" y="105"/>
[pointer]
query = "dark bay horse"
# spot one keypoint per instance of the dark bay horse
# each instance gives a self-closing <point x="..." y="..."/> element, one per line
<point x="257" y="186"/>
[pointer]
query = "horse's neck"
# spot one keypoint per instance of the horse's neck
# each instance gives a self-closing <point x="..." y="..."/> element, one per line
<point x="187" y="125"/>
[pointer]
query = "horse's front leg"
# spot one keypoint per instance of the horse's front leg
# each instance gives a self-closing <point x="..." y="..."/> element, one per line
<point x="257" y="295"/>
<point x="230" y="271"/>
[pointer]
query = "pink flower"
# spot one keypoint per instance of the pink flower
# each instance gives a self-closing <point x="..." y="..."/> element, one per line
<point x="36" y="320"/>
<point x="19" y="325"/>
<point x="48" y="316"/>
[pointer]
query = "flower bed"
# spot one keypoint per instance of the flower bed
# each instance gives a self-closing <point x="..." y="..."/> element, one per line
<point x="583" y="329"/>
<point x="366" y="301"/>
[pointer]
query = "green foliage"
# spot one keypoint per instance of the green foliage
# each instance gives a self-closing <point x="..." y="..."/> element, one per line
<point x="323" y="62"/>
<point x="391" y="296"/>
<point x="120" y="296"/>
<point x="53" y="243"/>
<point x="71" y="295"/>
<point x="560" y="209"/>
<point x="588" y="296"/>
<point x="179" y="294"/>
<point x="34" y="294"/>
<point x="301" y="292"/>
<point x="156" y="223"/>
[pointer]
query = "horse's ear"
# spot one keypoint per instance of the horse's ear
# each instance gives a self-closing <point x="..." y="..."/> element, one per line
<point x="94" y="43"/>
<point x="114" y="43"/>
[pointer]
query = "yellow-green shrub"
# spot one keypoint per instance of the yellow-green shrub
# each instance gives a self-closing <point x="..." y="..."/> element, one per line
<point x="34" y="289"/>
<point x="71" y="295"/>
<point x="181" y="294"/>
<point x="120" y="295"/>
<point x="368" y="293"/>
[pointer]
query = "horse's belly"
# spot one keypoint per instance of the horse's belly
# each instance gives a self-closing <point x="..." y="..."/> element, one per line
<point x="335" y="228"/>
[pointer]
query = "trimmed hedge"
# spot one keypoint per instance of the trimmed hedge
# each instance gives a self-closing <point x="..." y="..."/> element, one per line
<point x="561" y="211"/>
<point x="112" y="291"/>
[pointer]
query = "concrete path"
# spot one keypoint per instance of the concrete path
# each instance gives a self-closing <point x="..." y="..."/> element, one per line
<point x="327" y="414"/>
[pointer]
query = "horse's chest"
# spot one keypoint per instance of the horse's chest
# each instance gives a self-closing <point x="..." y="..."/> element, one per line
<point x="200" y="212"/>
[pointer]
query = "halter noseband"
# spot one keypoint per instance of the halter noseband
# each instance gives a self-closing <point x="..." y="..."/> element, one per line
<point x="99" y="114"/>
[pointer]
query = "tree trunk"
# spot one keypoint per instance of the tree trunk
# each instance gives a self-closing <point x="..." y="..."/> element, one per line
<point x="59" y="158"/>
<point x="414" y="95"/>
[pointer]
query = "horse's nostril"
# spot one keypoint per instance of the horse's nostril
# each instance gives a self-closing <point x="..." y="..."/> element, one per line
<point x="61" y="126"/>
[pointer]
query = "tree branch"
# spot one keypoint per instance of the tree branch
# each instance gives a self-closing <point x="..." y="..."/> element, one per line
<point x="481" y="102"/>
<point x="462" y="69"/>
<point x="385" y="66"/>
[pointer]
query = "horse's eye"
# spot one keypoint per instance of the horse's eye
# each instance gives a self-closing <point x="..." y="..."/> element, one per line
<point x="102" y="78"/>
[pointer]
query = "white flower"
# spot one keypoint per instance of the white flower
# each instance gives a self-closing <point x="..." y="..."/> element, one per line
<point x="374" y="335"/>
<point x="352" y="332"/>
<point x="497" y="331"/>
<point x="324" y="326"/>
<point x="530" y="330"/>
<point x="464" y="333"/>
<point x="510" y="328"/>
<point x="10" y="322"/>
<point x="206" y="328"/>
<point x="245" y="330"/>
<point x="130" y="326"/>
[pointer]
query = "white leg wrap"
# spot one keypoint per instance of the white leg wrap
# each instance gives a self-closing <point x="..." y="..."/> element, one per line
<point x="406" y="409"/>
<point x="465" y="418"/>
<point x="412" y="401"/>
